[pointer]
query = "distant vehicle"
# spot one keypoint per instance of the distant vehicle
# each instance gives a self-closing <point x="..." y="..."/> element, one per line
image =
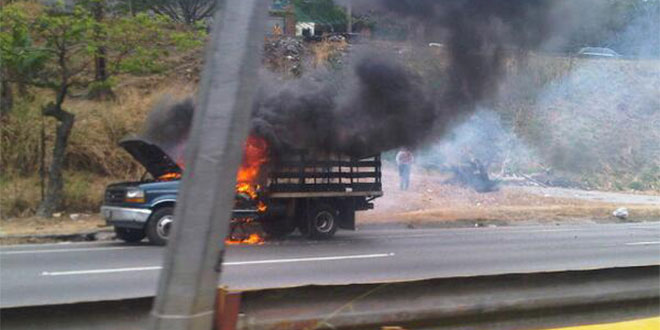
<point x="598" y="52"/>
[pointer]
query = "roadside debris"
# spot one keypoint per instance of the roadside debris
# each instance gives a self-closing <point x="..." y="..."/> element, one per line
<point x="78" y="216"/>
<point x="473" y="174"/>
<point x="532" y="180"/>
<point x="284" y="54"/>
<point x="621" y="213"/>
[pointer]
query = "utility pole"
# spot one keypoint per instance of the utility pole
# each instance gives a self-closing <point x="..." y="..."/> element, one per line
<point x="189" y="280"/>
<point x="349" y="17"/>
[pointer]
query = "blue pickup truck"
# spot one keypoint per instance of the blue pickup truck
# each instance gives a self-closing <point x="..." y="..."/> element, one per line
<point x="316" y="195"/>
<point x="143" y="208"/>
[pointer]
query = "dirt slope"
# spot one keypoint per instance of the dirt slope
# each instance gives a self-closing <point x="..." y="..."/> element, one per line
<point x="430" y="200"/>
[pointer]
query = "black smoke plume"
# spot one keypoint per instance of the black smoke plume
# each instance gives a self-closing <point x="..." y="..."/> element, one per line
<point x="168" y="126"/>
<point x="381" y="104"/>
<point x="376" y="103"/>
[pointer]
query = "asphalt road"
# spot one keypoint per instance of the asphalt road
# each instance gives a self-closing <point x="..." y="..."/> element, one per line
<point x="66" y="273"/>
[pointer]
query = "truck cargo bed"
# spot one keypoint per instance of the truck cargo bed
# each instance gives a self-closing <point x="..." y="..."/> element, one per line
<point x="303" y="176"/>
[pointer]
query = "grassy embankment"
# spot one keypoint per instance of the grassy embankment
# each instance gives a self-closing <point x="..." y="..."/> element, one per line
<point x="93" y="157"/>
<point x="596" y="121"/>
<point x="621" y="153"/>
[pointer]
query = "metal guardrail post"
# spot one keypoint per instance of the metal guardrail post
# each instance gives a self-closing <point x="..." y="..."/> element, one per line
<point x="228" y="307"/>
<point x="188" y="282"/>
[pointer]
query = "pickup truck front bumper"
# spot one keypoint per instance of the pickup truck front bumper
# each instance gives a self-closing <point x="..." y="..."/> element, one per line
<point x="125" y="216"/>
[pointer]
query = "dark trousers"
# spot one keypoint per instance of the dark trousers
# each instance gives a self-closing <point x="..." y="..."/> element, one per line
<point x="404" y="175"/>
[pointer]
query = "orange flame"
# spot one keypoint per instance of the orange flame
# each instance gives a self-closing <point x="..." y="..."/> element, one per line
<point x="253" y="239"/>
<point x="169" y="177"/>
<point x="256" y="154"/>
<point x="247" y="182"/>
<point x="261" y="207"/>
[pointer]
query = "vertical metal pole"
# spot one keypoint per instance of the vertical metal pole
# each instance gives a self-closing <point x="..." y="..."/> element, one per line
<point x="189" y="280"/>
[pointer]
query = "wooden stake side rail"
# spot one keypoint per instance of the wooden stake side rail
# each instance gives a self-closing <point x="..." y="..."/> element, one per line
<point x="341" y="175"/>
<point x="323" y="194"/>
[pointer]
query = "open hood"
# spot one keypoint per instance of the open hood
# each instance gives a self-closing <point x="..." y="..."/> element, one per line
<point x="151" y="156"/>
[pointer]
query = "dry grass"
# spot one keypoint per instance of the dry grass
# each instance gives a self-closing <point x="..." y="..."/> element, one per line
<point x="97" y="129"/>
<point x="327" y="52"/>
<point x="429" y="200"/>
<point x="595" y="120"/>
<point x="93" y="157"/>
<point x="101" y="126"/>
<point x="83" y="192"/>
<point x="61" y="225"/>
<point x="520" y="213"/>
<point x="18" y="195"/>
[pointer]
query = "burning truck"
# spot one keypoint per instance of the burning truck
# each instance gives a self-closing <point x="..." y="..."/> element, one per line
<point x="314" y="193"/>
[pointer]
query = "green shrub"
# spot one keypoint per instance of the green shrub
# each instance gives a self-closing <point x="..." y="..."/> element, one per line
<point x="143" y="61"/>
<point x="100" y="89"/>
<point x="636" y="185"/>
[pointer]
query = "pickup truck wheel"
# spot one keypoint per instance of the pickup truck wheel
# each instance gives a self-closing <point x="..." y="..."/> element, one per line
<point x="159" y="225"/>
<point x="129" y="235"/>
<point x="322" y="222"/>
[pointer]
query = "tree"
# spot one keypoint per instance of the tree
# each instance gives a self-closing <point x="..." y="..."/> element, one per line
<point x="184" y="11"/>
<point x="66" y="38"/>
<point x="323" y="12"/>
<point x="102" y="89"/>
<point x="127" y="44"/>
<point x="136" y="43"/>
<point x="57" y="48"/>
<point x="119" y="38"/>
<point x="20" y="60"/>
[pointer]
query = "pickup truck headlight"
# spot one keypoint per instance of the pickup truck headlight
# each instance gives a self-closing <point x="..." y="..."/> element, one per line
<point x="134" y="195"/>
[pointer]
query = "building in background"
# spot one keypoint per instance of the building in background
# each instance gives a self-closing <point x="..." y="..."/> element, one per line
<point x="281" y="19"/>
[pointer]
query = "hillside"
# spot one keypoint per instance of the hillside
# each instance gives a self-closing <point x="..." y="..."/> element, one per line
<point x="93" y="157"/>
<point x="594" y="122"/>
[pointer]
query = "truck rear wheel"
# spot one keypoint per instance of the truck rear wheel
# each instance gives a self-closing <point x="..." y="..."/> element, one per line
<point x="159" y="225"/>
<point x="322" y="222"/>
<point x="129" y="235"/>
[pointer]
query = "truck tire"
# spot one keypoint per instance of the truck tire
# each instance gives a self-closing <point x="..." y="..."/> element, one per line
<point x="322" y="222"/>
<point x="129" y="235"/>
<point x="159" y="225"/>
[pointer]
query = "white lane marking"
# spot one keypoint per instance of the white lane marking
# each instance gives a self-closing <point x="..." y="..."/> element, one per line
<point x="403" y="236"/>
<point x="58" y="245"/>
<point x="471" y="231"/>
<point x="235" y="263"/>
<point x="545" y="230"/>
<point x="281" y="261"/>
<point x="644" y="243"/>
<point x="100" y="271"/>
<point x="70" y="250"/>
<point x="516" y="229"/>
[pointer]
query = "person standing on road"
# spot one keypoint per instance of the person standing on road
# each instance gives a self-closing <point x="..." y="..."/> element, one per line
<point x="404" y="159"/>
